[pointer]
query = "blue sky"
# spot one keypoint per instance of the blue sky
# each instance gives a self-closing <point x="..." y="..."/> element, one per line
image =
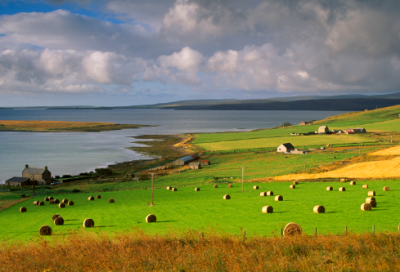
<point x="119" y="52"/>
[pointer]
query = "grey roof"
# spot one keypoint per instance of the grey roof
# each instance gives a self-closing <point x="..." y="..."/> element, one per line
<point x="17" y="179"/>
<point x="186" y="158"/>
<point x="33" y="171"/>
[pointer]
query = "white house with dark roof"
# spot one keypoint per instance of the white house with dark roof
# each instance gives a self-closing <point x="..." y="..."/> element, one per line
<point x="287" y="147"/>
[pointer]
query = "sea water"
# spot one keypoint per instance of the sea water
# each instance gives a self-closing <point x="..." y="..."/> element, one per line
<point x="75" y="152"/>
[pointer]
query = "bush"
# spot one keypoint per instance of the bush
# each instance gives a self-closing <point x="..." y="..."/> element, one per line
<point x="66" y="176"/>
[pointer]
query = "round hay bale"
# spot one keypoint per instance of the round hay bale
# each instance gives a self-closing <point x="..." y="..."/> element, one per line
<point x="65" y="201"/>
<point x="55" y="216"/>
<point x="329" y="188"/>
<point x="319" y="209"/>
<point x="342" y="189"/>
<point x="292" y="230"/>
<point x="227" y="197"/>
<point x="229" y="185"/>
<point x="88" y="223"/>
<point x="58" y="221"/>
<point x="45" y="230"/>
<point x="270" y="193"/>
<point x="22" y="209"/>
<point x="98" y="196"/>
<point x="151" y="218"/>
<point x="197" y="189"/>
<point x="35" y="202"/>
<point x="56" y="201"/>
<point x="293" y="186"/>
<point x="366" y="207"/>
<point x="51" y="201"/>
<point x="343" y="180"/>
<point x="71" y="203"/>
<point x="111" y="200"/>
<point x="51" y="198"/>
<point x="169" y="187"/>
<point x="352" y="183"/>
<point x="386" y="188"/>
<point x="174" y="189"/>
<point x="46" y="198"/>
<point x="365" y="186"/>
<point x="267" y="209"/>
<point x="373" y="204"/>
<point x="41" y="203"/>
<point x="61" y="205"/>
<point x="371" y="193"/>
<point x="263" y="194"/>
<point x="255" y="187"/>
<point x="90" y="198"/>
<point x="278" y="198"/>
<point x="295" y="182"/>
<point x="369" y="199"/>
<point x="215" y="185"/>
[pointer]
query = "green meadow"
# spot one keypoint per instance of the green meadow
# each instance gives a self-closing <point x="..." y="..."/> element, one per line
<point x="207" y="210"/>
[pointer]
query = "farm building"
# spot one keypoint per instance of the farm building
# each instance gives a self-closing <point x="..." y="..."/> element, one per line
<point x="285" y="147"/>
<point x="297" y="152"/>
<point x="194" y="165"/>
<point x="303" y="123"/>
<point x="17" y="181"/>
<point x="40" y="175"/>
<point x="354" y="130"/>
<point x="204" y="162"/>
<point x="337" y="131"/>
<point x="186" y="160"/>
<point x="323" y="130"/>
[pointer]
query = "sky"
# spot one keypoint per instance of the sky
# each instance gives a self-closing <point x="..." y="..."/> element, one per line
<point x="132" y="52"/>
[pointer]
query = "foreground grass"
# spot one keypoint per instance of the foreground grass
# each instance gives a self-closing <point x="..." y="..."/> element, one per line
<point x="194" y="251"/>
<point x="61" y="126"/>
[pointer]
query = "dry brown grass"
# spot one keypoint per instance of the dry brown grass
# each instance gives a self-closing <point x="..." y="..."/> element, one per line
<point x="192" y="251"/>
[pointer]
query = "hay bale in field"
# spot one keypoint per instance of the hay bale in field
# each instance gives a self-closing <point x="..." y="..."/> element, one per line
<point x="55" y="216"/>
<point x="343" y="180"/>
<point x="267" y="209"/>
<point x="98" y="196"/>
<point x="41" y="203"/>
<point x="215" y="185"/>
<point x="279" y="198"/>
<point x="370" y="199"/>
<point x="46" y="198"/>
<point x="319" y="209"/>
<point x="295" y="182"/>
<point x="90" y="198"/>
<point x="71" y="203"/>
<point x="386" y="188"/>
<point x="292" y="186"/>
<point x="174" y="189"/>
<point x="45" y="230"/>
<point x="352" y="183"/>
<point x="255" y="187"/>
<point x="56" y="201"/>
<point x="111" y="200"/>
<point x="226" y="197"/>
<point x="65" y="201"/>
<point x="88" y="223"/>
<point x="371" y="193"/>
<point x="229" y="185"/>
<point x="292" y="230"/>
<point x="373" y="204"/>
<point x="22" y="209"/>
<point x="151" y="218"/>
<point x="61" y="205"/>
<point x="51" y="198"/>
<point x="270" y="193"/>
<point x="169" y="187"/>
<point x="58" y="221"/>
<point x="263" y="194"/>
<point x="342" y="189"/>
<point x="51" y="201"/>
<point x="197" y="189"/>
<point x="365" y="186"/>
<point x="35" y="202"/>
<point x="366" y="207"/>
<point x="329" y="188"/>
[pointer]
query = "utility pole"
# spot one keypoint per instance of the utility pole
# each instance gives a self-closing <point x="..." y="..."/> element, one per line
<point x="391" y="139"/>
<point x="242" y="179"/>
<point x="152" y="189"/>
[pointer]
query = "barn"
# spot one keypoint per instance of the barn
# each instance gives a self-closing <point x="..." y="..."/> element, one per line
<point x="323" y="130"/>
<point x="204" y="162"/>
<point x="285" y="147"/>
<point x="185" y="160"/>
<point x="194" y="165"/>
<point x="41" y="175"/>
<point x="17" y="181"/>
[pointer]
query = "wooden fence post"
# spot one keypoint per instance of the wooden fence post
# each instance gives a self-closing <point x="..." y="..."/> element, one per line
<point x="345" y="230"/>
<point x="315" y="232"/>
<point x="244" y="235"/>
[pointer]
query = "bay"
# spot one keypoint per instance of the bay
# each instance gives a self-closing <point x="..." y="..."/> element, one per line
<point x="75" y="152"/>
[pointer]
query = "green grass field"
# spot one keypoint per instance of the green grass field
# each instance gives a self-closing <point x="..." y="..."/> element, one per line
<point x="187" y="209"/>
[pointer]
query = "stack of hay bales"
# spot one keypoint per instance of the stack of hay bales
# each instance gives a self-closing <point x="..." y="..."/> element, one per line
<point x="267" y="209"/>
<point x="319" y="209"/>
<point x="279" y="198"/>
<point x="329" y="188"/>
<point x="151" y="218"/>
<point x="226" y="197"/>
